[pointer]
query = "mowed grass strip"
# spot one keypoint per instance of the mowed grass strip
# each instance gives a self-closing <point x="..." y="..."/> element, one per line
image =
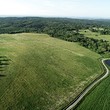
<point x="44" y="73"/>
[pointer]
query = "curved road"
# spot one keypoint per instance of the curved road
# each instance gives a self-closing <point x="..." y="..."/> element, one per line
<point x="90" y="87"/>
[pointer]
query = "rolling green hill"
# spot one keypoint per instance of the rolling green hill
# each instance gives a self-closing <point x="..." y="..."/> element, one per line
<point x="44" y="73"/>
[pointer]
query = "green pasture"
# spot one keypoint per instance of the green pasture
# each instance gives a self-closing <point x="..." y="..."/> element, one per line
<point x="95" y="35"/>
<point x="44" y="73"/>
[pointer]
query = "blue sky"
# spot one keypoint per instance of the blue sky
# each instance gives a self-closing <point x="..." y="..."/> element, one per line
<point x="56" y="8"/>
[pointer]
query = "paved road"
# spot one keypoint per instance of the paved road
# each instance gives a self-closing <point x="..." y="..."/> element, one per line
<point x="90" y="87"/>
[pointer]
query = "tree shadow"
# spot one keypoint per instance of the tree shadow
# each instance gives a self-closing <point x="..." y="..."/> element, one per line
<point x="4" y="62"/>
<point x="2" y="75"/>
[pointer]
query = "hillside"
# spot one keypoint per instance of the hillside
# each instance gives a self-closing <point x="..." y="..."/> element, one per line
<point x="44" y="73"/>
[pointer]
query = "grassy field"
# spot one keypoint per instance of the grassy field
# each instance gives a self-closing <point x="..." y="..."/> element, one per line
<point x="99" y="98"/>
<point x="44" y="73"/>
<point x="95" y="35"/>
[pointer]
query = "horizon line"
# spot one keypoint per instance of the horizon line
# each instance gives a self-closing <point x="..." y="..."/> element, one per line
<point x="7" y="16"/>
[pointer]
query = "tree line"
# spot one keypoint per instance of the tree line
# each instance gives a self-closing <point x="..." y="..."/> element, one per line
<point x="103" y="31"/>
<point x="63" y="28"/>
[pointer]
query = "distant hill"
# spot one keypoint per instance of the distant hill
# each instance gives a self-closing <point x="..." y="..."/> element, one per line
<point x="43" y="25"/>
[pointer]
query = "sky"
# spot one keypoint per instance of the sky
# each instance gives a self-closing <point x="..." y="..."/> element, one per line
<point x="56" y="8"/>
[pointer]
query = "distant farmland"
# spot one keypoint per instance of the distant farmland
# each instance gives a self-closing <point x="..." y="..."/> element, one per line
<point x="44" y="73"/>
<point x="95" y="35"/>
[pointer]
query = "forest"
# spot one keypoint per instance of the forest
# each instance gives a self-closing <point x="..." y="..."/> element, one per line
<point x="62" y="28"/>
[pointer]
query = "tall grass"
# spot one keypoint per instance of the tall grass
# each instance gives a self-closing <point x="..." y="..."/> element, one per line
<point x="44" y="73"/>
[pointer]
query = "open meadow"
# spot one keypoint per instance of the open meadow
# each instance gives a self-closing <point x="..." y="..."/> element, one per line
<point x="44" y="73"/>
<point x="95" y="35"/>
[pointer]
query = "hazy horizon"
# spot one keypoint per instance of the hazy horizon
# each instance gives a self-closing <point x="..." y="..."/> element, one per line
<point x="56" y="8"/>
